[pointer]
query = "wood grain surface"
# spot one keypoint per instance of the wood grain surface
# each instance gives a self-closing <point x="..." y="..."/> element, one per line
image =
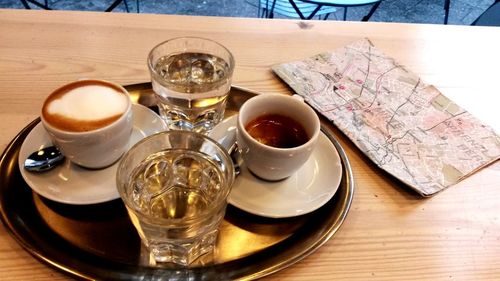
<point x="390" y="233"/>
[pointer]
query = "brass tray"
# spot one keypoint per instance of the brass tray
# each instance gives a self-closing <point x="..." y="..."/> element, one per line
<point x="99" y="242"/>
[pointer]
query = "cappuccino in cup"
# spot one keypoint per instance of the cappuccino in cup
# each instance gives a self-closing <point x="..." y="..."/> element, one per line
<point x="90" y="121"/>
<point x="85" y="106"/>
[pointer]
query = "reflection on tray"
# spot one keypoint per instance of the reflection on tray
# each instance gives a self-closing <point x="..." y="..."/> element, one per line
<point x="102" y="229"/>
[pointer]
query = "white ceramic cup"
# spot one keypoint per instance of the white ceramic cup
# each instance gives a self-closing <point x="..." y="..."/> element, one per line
<point x="268" y="162"/>
<point x="96" y="148"/>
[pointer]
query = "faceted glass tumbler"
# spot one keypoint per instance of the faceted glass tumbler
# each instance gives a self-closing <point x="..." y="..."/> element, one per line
<point x="191" y="78"/>
<point x="175" y="186"/>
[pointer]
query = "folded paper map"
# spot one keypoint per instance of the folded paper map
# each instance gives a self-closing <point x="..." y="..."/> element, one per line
<point x="408" y="128"/>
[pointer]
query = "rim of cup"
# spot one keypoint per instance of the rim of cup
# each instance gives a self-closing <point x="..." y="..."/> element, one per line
<point x="114" y="123"/>
<point x="308" y="109"/>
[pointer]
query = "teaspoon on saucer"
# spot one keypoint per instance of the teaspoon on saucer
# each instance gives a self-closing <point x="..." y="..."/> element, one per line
<point x="44" y="159"/>
<point x="234" y="152"/>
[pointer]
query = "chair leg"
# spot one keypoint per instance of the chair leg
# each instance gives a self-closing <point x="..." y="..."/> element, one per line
<point x="26" y="6"/>
<point x="345" y="13"/>
<point x="297" y="9"/>
<point x="137" y="5"/>
<point x="271" y="11"/>
<point x="126" y="6"/>
<point x="374" y="8"/>
<point x="113" y="5"/>
<point x="301" y="15"/>
<point x="446" y="10"/>
<point x="264" y="13"/>
<point x="265" y="10"/>
<point x="314" y="12"/>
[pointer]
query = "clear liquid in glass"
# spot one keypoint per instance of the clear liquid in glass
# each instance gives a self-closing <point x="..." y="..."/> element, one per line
<point x="168" y="189"/>
<point x="193" y="90"/>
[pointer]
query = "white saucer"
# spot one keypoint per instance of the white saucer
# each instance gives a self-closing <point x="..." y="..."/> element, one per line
<point x="309" y="188"/>
<point x="72" y="184"/>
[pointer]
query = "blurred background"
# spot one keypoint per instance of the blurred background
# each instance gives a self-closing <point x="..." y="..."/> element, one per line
<point x="461" y="12"/>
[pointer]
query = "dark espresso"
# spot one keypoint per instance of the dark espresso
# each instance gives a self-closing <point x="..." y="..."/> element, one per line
<point x="277" y="131"/>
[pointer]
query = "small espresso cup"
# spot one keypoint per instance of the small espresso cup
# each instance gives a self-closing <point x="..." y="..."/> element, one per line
<point x="276" y="134"/>
<point x="90" y="121"/>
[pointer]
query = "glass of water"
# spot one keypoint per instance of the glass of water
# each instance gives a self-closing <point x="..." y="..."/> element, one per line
<point x="191" y="78"/>
<point x="175" y="186"/>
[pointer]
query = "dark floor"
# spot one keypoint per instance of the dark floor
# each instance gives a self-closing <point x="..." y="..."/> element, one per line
<point x="462" y="12"/>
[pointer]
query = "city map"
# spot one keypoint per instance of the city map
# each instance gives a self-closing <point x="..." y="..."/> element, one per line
<point x="406" y="127"/>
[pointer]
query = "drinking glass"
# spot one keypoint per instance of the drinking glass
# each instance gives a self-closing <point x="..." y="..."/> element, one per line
<point x="191" y="78"/>
<point x="175" y="186"/>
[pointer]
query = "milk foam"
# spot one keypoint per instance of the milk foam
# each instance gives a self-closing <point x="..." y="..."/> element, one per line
<point x="90" y="102"/>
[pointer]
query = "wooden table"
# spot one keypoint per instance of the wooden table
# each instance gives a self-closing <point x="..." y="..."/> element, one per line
<point x="390" y="233"/>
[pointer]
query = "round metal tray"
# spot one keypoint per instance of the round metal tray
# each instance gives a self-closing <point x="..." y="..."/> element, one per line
<point x="99" y="241"/>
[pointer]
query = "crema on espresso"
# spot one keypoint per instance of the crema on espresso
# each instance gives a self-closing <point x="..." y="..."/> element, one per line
<point x="85" y="106"/>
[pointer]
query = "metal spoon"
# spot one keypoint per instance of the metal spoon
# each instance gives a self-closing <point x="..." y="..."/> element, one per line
<point x="44" y="159"/>
<point x="235" y="154"/>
